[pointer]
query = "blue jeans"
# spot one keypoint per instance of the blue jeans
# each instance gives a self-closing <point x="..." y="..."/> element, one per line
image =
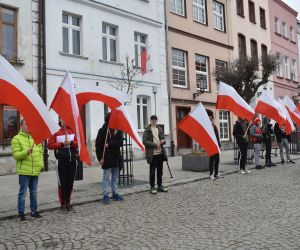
<point x="114" y="180"/>
<point x="26" y="181"/>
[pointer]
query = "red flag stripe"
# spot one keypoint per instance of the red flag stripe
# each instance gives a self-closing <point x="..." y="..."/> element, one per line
<point x="144" y="57"/>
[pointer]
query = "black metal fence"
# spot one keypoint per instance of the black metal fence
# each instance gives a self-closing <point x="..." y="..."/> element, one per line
<point x="126" y="172"/>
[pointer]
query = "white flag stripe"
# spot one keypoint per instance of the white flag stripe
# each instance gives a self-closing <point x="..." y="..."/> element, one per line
<point x="288" y="117"/>
<point x="291" y="106"/>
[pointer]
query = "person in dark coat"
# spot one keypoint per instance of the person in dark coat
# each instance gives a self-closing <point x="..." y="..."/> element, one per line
<point x="242" y="139"/>
<point x="109" y="156"/>
<point x="214" y="160"/>
<point x="267" y="140"/>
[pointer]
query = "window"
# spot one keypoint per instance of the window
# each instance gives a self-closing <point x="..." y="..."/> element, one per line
<point x="251" y="12"/>
<point x="71" y="34"/>
<point x="277" y="26"/>
<point x="294" y="70"/>
<point x="220" y="65"/>
<point x="224" y="125"/>
<point x="240" y="7"/>
<point x="284" y="29"/>
<point x="254" y="53"/>
<point x="143" y="111"/>
<point x="201" y="64"/>
<point x="292" y="34"/>
<point x="140" y="41"/>
<point x="287" y="68"/>
<point x="179" y="68"/>
<point x="109" y="42"/>
<point x="262" y="15"/>
<point x="177" y="6"/>
<point x="8" y="33"/>
<point x="199" y="11"/>
<point x="242" y="46"/>
<point x="264" y="51"/>
<point x="279" y="67"/>
<point x="9" y="124"/>
<point x="218" y="16"/>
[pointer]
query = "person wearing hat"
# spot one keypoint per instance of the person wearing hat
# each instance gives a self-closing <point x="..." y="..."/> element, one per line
<point x="256" y="137"/>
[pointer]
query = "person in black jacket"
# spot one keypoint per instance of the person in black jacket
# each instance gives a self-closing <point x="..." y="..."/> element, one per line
<point x="267" y="139"/>
<point x="242" y="138"/>
<point x="214" y="160"/>
<point x="109" y="157"/>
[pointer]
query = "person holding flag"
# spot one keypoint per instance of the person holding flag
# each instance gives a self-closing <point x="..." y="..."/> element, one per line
<point x="108" y="144"/>
<point x="256" y="138"/>
<point x="267" y="139"/>
<point x="65" y="146"/>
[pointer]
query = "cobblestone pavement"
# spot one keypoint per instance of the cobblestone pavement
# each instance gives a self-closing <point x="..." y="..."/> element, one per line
<point x="260" y="210"/>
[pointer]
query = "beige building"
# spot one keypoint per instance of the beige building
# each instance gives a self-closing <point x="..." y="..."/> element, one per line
<point x="199" y="40"/>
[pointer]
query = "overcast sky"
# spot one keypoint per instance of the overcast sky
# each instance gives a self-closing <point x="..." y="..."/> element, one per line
<point x="295" y="4"/>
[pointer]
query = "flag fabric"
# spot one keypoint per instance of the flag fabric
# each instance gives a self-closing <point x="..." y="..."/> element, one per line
<point x="17" y="92"/>
<point x="65" y="105"/>
<point x="230" y="100"/>
<point x="120" y="120"/>
<point x="198" y="126"/>
<point x="289" y="125"/>
<point x="268" y="107"/>
<point x="292" y="109"/>
<point x="108" y="95"/>
<point x="146" y="62"/>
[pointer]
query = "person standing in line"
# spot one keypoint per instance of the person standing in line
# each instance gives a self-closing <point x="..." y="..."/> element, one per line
<point x="256" y="137"/>
<point x="29" y="161"/>
<point x="267" y="139"/>
<point x="153" y="139"/>
<point x="283" y="141"/>
<point x="241" y="136"/>
<point x="111" y="162"/>
<point x="65" y="146"/>
<point x="214" y="160"/>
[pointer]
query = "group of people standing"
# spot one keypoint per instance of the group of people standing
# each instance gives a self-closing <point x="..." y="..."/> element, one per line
<point x="257" y="133"/>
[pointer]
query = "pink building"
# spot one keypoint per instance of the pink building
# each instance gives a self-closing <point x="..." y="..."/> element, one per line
<point x="283" y="27"/>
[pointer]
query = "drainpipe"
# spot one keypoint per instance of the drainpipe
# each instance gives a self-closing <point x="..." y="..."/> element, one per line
<point x="168" y="79"/>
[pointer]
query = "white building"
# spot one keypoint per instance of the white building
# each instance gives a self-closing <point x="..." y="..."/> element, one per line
<point x="91" y="38"/>
<point x="19" y="40"/>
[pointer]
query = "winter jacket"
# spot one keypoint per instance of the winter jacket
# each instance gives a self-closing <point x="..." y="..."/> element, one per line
<point x="267" y="133"/>
<point x="112" y="156"/>
<point x="238" y="133"/>
<point x="256" y="135"/>
<point x="27" y="164"/>
<point x="217" y="134"/>
<point x="280" y="134"/>
<point x="150" y="145"/>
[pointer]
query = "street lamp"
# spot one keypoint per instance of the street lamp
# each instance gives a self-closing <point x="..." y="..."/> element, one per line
<point x="201" y="88"/>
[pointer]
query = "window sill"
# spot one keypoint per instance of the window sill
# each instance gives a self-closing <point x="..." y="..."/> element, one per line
<point x="197" y="22"/>
<point x="264" y="27"/>
<point x="111" y="62"/>
<point x="177" y="14"/>
<point x="254" y="22"/>
<point x="15" y="60"/>
<point x="241" y="15"/>
<point x="295" y="81"/>
<point x="72" y="55"/>
<point x="294" y="42"/>
<point x="278" y="34"/>
<point x="280" y="77"/>
<point x="180" y="87"/>
<point x="223" y="31"/>
<point x="288" y="79"/>
<point x="286" y="38"/>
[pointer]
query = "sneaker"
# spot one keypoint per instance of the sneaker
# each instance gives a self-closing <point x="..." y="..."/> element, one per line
<point x="153" y="190"/>
<point x="211" y="177"/>
<point x="36" y="215"/>
<point x="273" y="164"/>
<point x="117" y="197"/>
<point x="247" y="172"/>
<point x="162" y="189"/>
<point x="242" y="171"/>
<point x="218" y="176"/>
<point x="282" y="161"/>
<point x="105" y="199"/>
<point x="259" y="167"/>
<point x="22" y="218"/>
<point x="291" y="162"/>
<point x="70" y="208"/>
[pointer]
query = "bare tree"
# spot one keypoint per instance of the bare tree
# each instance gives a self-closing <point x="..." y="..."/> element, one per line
<point x="243" y="74"/>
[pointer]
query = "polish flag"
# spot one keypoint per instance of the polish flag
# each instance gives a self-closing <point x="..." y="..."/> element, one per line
<point x="268" y="107"/>
<point x="289" y="125"/>
<point x="120" y="120"/>
<point x="198" y="126"/>
<point x="17" y="92"/>
<point x="230" y="100"/>
<point x="292" y="109"/>
<point x="146" y="64"/>
<point x="65" y="105"/>
<point x="108" y="95"/>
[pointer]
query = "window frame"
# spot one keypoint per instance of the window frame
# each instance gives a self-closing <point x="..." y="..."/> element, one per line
<point x="279" y="70"/>
<point x="262" y="15"/>
<point x="2" y="125"/>
<point x="140" y="47"/>
<point x="284" y="29"/>
<point x="294" y="73"/>
<point x="244" y="54"/>
<point x="287" y="68"/>
<point x="252" y="17"/>
<point x="240" y="8"/>
<point x="139" y="110"/>
<point x="224" y="121"/>
<point x="185" y="69"/>
<point x="70" y="27"/>
<point x="254" y="49"/>
<point x="277" y="25"/>
<point x="292" y="34"/>
<point x="204" y="8"/>
<point x="108" y="38"/>
<point x="175" y="10"/>
<point x="203" y="73"/>
<point x="220" y="16"/>
<point x="264" y="50"/>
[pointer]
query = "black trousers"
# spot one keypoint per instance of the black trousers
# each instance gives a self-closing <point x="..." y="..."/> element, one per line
<point x="268" y="144"/>
<point x="214" y="164"/>
<point x="156" y="164"/>
<point x="66" y="175"/>
<point x="243" y="154"/>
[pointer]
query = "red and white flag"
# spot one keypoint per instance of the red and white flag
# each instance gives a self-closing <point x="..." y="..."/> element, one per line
<point x="289" y="125"/>
<point x="108" y="95"/>
<point x="120" y="120"/>
<point x="146" y="62"/>
<point x="292" y="109"/>
<point x="230" y="100"/>
<point x="268" y="107"/>
<point x="198" y="126"/>
<point x="17" y="92"/>
<point x="65" y="105"/>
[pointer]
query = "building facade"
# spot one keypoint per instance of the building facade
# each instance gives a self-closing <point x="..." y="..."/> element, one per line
<point x="91" y="39"/>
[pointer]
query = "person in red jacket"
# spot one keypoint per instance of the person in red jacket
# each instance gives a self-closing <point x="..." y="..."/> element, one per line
<point x="65" y="146"/>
